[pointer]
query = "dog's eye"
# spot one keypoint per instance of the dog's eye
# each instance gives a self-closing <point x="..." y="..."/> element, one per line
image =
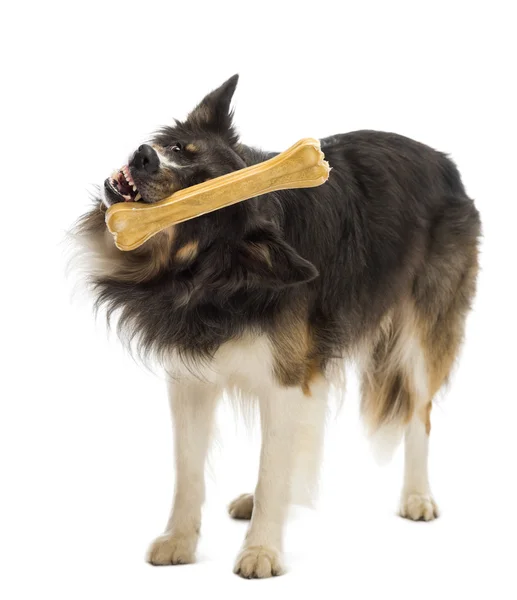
<point x="177" y="147"/>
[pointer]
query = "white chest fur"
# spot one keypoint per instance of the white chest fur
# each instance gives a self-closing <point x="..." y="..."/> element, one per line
<point x="246" y="363"/>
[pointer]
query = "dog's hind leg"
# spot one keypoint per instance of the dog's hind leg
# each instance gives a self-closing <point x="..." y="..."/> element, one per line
<point x="442" y="296"/>
<point x="397" y="401"/>
<point x="438" y="346"/>
<point x="292" y="422"/>
<point x="408" y="365"/>
<point x="417" y="502"/>
<point x="193" y="408"/>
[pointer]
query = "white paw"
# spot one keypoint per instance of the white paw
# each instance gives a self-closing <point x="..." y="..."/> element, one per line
<point x="258" y="562"/>
<point x="170" y="549"/>
<point x="418" y="507"/>
<point x="241" y="507"/>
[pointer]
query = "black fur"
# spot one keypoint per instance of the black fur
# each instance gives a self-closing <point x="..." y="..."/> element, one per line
<point x="341" y="255"/>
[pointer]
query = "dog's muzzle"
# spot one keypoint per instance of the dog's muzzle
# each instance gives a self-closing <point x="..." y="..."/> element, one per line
<point x="120" y="187"/>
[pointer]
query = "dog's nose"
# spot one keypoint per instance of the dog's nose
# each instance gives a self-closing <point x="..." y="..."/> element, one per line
<point x="145" y="159"/>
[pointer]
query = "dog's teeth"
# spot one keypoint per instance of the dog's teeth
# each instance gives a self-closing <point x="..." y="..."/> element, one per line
<point x="134" y="187"/>
<point x="138" y="197"/>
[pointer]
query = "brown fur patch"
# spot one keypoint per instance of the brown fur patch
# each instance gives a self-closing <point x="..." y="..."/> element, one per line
<point x="385" y="399"/>
<point x="291" y="344"/>
<point x="443" y="296"/>
<point x="386" y="387"/>
<point x="432" y="318"/>
<point x="191" y="148"/>
<point x="426" y="416"/>
<point x="188" y="251"/>
<point x="136" y="266"/>
<point x="152" y="260"/>
<point x="445" y="336"/>
<point x="295" y="363"/>
<point x="312" y="372"/>
<point x="261" y="252"/>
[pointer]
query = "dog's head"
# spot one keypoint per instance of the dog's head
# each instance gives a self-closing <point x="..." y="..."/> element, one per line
<point x="218" y="253"/>
<point x="193" y="151"/>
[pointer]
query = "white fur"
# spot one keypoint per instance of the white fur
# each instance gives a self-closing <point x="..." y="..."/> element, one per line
<point x="292" y="425"/>
<point x="165" y="161"/>
<point x="243" y="370"/>
<point x="292" y="432"/>
<point x="311" y="414"/>
<point x="406" y="356"/>
<point x="417" y="502"/>
<point x="89" y="257"/>
<point x="412" y="360"/>
<point x="261" y="555"/>
<point x="192" y="408"/>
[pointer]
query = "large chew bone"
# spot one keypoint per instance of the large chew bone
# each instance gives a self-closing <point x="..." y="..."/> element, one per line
<point x="301" y="166"/>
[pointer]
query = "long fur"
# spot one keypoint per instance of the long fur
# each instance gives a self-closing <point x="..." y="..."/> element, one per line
<point x="378" y="264"/>
<point x="319" y="271"/>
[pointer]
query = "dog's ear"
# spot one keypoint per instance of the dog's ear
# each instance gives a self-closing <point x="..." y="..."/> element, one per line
<point x="269" y="261"/>
<point x="213" y="112"/>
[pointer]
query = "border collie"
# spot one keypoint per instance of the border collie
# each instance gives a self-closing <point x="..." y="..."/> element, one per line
<point x="268" y="299"/>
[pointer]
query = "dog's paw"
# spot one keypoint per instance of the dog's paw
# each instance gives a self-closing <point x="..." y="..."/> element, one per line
<point x="258" y="562"/>
<point x="172" y="549"/>
<point x="241" y="507"/>
<point x="418" y="507"/>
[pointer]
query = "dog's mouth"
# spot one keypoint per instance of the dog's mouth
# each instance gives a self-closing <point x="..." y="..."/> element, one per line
<point x="120" y="187"/>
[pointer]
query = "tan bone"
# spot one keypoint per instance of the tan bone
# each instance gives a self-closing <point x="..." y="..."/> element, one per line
<point x="301" y="166"/>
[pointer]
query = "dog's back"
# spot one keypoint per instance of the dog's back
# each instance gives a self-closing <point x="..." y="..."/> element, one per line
<point x="394" y="238"/>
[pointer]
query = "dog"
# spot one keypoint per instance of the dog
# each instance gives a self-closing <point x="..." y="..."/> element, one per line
<point x="267" y="300"/>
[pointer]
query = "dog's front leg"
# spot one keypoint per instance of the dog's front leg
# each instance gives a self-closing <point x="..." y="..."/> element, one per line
<point x="193" y="408"/>
<point x="261" y="555"/>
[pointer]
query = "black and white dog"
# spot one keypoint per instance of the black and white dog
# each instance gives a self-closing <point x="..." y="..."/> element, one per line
<point x="269" y="298"/>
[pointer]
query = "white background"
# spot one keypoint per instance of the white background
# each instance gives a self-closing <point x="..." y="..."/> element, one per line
<point x="85" y="444"/>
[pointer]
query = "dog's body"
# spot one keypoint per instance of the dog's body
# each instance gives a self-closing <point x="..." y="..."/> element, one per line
<point x="267" y="298"/>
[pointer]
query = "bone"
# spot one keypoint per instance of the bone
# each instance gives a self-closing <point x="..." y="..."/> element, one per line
<point x="301" y="166"/>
